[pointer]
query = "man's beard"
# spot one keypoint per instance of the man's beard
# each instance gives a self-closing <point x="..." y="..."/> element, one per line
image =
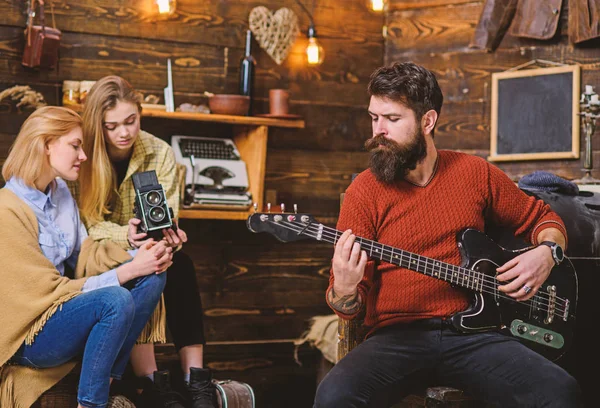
<point x="391" y="161"/>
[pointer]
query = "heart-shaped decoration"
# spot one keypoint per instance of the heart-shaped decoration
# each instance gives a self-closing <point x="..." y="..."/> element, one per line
<point x="274" y="32"/>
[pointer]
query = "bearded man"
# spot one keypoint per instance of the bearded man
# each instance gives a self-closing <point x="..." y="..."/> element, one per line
<point x="419" y="199"/>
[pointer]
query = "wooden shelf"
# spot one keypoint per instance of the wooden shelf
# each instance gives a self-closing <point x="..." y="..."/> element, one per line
<point x="212" y="117"/>
<point x="200" y="214"/>
<point x="229" y="119"/>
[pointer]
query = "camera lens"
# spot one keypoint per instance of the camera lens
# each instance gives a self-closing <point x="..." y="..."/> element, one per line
<point x="156" y="214"/>
<point x="153" y="198"/>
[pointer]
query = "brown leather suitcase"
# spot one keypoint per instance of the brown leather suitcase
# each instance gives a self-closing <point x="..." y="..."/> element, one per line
<point x="234" y="394"/>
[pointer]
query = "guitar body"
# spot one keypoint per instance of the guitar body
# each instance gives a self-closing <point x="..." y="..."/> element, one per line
<point x="530" y="322"/>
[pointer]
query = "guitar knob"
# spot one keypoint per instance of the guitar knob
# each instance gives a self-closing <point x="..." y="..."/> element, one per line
<point x="548" y="338"/>
<point x="278" y="218"/>
<point x="522" y="329"/>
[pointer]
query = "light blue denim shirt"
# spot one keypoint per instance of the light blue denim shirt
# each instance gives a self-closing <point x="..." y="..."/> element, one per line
<point x="61" y="231"/>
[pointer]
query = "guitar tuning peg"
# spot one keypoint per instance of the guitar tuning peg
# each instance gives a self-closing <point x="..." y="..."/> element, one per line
<point x="255" y="206"/>
<point x="268" y="207"/>
<point x="282" y="207"/>
<point x="295" y="208"/>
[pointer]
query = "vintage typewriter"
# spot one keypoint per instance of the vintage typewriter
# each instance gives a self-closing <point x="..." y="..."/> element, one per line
<point x="216" y="177"/>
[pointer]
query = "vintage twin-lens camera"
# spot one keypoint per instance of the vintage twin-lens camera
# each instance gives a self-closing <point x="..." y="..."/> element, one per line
<point x="151" y="205"/>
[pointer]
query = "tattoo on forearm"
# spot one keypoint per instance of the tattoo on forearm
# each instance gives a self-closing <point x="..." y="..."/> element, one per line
<point x="348" y="304"/>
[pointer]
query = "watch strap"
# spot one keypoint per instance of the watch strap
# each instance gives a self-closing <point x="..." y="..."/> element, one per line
<point x="554" y="248"/>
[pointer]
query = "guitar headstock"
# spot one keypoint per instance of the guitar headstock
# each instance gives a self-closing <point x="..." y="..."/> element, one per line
<point x="286" y="227"/>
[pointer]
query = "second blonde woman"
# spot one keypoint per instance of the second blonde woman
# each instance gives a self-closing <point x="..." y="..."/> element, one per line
<point x="118" y="148"/>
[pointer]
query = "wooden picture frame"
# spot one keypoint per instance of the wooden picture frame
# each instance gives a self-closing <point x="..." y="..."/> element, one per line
<point x="535" y="114"/>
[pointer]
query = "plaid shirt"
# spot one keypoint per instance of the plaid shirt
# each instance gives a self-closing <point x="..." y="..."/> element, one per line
<point x="149" y="153"/>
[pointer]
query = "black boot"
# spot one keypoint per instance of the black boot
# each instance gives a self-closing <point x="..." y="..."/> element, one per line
<point x="201" y="390"/>
<point x="159" y="394"/>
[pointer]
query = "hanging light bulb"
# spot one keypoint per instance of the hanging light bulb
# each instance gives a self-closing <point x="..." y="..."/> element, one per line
<point x="377" y="5"/>
<point x="165" y="7"/>
<point x="314" y="52"/>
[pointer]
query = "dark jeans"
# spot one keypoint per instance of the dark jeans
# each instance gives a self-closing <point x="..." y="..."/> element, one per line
<point x="401" y="359"/>
<point x="183" y="303"/>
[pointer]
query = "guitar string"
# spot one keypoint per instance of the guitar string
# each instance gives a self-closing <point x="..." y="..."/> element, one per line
<point x="434" y="268"/>
<point x="491" y="287"/>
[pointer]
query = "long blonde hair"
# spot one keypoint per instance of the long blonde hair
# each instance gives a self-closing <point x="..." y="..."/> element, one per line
<point x="97" y="179"/>
<point x="27" y="157"/>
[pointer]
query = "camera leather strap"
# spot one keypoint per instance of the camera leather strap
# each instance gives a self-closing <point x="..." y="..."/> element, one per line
<point x="31" y="13"/>
<point x="42" y="17"/>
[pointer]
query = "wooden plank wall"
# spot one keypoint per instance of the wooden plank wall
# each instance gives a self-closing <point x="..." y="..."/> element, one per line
<point x="255" y="290"/>
<point x="437" y="33"/>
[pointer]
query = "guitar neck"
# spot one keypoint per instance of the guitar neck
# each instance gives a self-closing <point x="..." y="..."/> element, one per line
<point x="453" y="274"/>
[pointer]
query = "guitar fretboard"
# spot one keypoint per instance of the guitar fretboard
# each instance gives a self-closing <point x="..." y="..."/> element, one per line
<point x="454" y="274"/>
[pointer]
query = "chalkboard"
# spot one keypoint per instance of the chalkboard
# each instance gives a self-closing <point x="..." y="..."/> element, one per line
<point x="535" y="114"/>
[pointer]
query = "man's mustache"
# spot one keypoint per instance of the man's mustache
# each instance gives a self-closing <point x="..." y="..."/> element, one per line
<point x="379" y="140"/>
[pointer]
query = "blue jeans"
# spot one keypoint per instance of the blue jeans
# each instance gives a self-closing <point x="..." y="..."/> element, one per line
<point x="398" y="360"/>
<point x="100" y="326"/>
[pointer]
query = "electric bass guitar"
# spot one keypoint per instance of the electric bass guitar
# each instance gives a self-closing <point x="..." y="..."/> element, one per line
<point x="545" y="322"/>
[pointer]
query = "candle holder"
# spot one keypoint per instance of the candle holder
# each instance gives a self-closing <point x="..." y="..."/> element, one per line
<point x="589" y="112"/>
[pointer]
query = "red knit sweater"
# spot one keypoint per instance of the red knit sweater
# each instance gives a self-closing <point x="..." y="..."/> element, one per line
<point x="464" y="192"/>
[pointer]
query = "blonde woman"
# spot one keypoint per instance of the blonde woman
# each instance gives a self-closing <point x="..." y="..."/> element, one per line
<point x="49" y="319"/>
<point x="118" y="148"/>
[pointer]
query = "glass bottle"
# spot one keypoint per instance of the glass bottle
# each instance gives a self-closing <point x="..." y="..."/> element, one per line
<point x="247" y="71"/>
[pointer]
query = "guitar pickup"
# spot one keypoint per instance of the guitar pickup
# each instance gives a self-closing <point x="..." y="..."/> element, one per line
<point x="523" y="330"/>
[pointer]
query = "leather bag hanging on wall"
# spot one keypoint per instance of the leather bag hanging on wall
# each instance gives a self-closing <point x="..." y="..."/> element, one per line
<point x="41" y="42"/>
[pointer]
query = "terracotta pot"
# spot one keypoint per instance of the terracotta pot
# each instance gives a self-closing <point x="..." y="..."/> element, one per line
<point x="229" y="104"/>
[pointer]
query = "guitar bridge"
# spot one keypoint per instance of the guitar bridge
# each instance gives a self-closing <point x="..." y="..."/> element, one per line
<point x="551" y="304"/>
<point x="545" y="337"/>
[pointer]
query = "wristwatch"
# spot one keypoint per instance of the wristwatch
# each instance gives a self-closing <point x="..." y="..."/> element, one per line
<point x="557" y="252"/>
